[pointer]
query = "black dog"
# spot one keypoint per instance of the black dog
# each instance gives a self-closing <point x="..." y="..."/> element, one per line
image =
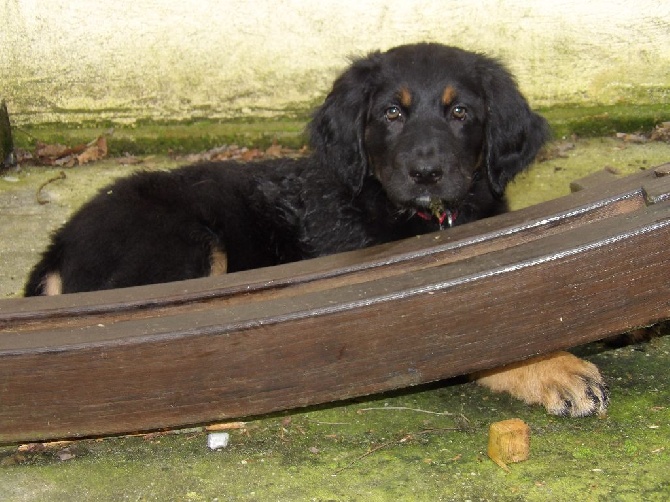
<point x="409" y="141"/>
<point x="420" y="137"/>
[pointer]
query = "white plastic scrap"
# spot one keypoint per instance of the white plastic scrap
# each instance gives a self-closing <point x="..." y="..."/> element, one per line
<point x="218" y="440"/>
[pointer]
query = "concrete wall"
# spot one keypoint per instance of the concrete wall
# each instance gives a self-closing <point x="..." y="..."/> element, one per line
<point x="70" y="60"/>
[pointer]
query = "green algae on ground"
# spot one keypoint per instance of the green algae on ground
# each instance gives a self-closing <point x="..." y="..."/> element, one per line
<point x="580" y="157"/>
<point x="594" y="121"/>
<point x="143" y="137"/>
<point x="150" y="137"/>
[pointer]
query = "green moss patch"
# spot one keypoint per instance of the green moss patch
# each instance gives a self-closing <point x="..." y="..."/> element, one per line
<point x="150" y="137"/>
<point x="146" y="137"/>
<point x="605" y="120"/>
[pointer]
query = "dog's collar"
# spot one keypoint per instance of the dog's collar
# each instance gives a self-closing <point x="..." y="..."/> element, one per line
<point x="447" y="217"/>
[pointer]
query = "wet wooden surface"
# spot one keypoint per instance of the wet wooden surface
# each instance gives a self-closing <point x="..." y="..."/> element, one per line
<point x="548" y="277"/>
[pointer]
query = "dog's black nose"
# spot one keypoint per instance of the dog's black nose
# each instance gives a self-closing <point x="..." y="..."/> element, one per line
<point x="425" y="173"/>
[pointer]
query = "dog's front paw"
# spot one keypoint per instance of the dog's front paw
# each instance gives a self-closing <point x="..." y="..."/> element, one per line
<point x="564" y="384"/>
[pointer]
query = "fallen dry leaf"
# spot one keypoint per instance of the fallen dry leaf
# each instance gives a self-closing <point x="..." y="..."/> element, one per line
<point x="557" y="151"/>
<point x="661" y="132"/>
<point x="632" y="138"/>
<point x="129" y="160"/>
<point x="250" y="154"/>
<point x="235" y="152"/>
<point x="64" y="156"/>
<point x="48" y="153"/>
<point x="95" y="150"/>
<point x="274" y="151"/>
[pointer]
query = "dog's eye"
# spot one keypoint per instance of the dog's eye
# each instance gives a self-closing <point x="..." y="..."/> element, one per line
<point x="459" y="112"/>
<point x="393" y="113"/>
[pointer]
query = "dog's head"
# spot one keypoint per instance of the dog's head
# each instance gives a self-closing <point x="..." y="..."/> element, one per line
<point x="426" y="121"/>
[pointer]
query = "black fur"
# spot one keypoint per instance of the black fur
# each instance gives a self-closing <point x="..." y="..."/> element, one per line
<point x="386" y="145"/>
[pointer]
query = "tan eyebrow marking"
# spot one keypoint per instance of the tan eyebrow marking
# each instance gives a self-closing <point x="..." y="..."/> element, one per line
<point x="449" y="95"/>
<point x="405" y="97"/>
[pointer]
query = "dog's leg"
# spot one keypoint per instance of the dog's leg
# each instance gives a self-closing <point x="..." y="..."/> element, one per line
<point x="53" y="284"/>
<point x="218" y="262"/>
<point x="564" y="384"/>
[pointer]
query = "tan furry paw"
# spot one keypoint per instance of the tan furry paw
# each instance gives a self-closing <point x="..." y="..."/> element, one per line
<point x="564" y="384"/>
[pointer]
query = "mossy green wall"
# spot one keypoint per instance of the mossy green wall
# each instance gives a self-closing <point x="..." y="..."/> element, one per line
<point x="71" y="60"/>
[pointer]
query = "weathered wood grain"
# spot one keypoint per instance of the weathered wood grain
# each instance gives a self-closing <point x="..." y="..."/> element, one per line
<point x="549" y="277"/>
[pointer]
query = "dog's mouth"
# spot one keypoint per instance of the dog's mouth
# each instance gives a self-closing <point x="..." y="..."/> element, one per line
<point x="434" y="209"/>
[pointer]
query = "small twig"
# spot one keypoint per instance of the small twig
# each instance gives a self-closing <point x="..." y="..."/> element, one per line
<point x="225" y="426"/>
<point x="42" y="200"/>
<point x="370" y="452"/>
<point x="318" y="422"/>
<point x="443" y="413"/>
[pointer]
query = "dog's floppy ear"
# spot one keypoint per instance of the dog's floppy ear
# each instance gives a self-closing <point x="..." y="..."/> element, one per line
<point x="337" y="128"/>
<point x="514" y="134"/>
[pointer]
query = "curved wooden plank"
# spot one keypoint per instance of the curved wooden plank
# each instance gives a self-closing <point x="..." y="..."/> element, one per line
<point x="349" y="325"/>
